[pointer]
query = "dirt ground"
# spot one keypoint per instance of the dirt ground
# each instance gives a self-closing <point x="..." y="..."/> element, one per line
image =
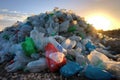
<point x="46" y="75"/>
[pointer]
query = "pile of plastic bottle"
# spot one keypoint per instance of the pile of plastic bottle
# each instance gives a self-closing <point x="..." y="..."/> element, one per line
<point x="57" y="40"/>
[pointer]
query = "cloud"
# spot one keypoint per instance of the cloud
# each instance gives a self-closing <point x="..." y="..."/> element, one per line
<point x="1" y="17"/>
<point x="8" y="18"/>
<point x="4" y="10"/>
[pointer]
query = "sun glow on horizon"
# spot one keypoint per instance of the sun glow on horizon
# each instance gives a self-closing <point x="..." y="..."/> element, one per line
<point x="99" y="22"/>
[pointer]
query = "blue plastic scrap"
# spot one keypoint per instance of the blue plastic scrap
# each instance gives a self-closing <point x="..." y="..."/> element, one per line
<point x="89" y="46"/>
<point x="70" y="69"/>
<point x="94" y="73"/>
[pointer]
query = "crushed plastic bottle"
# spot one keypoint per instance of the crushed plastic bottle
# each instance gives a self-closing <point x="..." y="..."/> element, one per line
<point x="37" y="66"/>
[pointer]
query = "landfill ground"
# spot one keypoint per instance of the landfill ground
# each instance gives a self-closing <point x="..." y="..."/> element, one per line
<point x="47" y="75"/>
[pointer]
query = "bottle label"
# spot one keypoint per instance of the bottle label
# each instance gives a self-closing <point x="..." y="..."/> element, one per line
<point x="57" y="57"/>
<point x="60" y="48"/>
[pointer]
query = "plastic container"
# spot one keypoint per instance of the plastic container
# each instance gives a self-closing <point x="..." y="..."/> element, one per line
<point x="37" y="66"/>
<point x="55" y="59"/>
<point x="68" y="44"/>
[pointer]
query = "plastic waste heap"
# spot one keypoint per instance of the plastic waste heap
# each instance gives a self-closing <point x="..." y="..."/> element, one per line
<point x="57" y="40"/>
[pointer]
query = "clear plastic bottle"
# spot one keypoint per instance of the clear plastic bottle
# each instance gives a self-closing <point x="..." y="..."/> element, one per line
<point x="57" y="45"/>
<point x="37" y="66"/>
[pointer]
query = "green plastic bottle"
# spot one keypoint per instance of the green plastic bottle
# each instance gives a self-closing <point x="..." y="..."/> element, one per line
<point x="72" y="29"/>
<point x="28" y="46"/>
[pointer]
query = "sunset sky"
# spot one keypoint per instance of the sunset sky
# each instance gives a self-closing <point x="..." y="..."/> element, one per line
<point x="106" y="12"/>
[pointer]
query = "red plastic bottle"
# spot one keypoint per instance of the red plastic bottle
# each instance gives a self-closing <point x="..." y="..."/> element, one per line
<point x="55" y="59"/>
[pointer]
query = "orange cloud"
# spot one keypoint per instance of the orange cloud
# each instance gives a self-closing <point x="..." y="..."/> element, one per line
<point x="1" y="17"/>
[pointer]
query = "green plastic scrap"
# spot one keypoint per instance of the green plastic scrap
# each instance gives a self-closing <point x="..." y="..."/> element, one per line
<point x="72" y="29"/>
<point x="53" y="34"/>
<point x="6" y="37"/>
<point x="70" y="57"/>
<point x="28" y="46"/>
<point x="82" y="35"/>
<point x="51" y="14"/>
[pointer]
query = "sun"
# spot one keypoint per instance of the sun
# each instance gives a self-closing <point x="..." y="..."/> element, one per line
<point x="99" y="22"/>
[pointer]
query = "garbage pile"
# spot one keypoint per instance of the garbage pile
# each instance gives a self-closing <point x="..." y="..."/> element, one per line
<point x="58" y="40"/>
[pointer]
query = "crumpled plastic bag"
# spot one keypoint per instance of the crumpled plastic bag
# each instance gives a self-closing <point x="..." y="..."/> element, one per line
<point x="100" y="60"/>
<point x="94" y="73"/>
<point x="89" y="46"/>
<point x="97" y="59"/>
<point x="70" y="69"/>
